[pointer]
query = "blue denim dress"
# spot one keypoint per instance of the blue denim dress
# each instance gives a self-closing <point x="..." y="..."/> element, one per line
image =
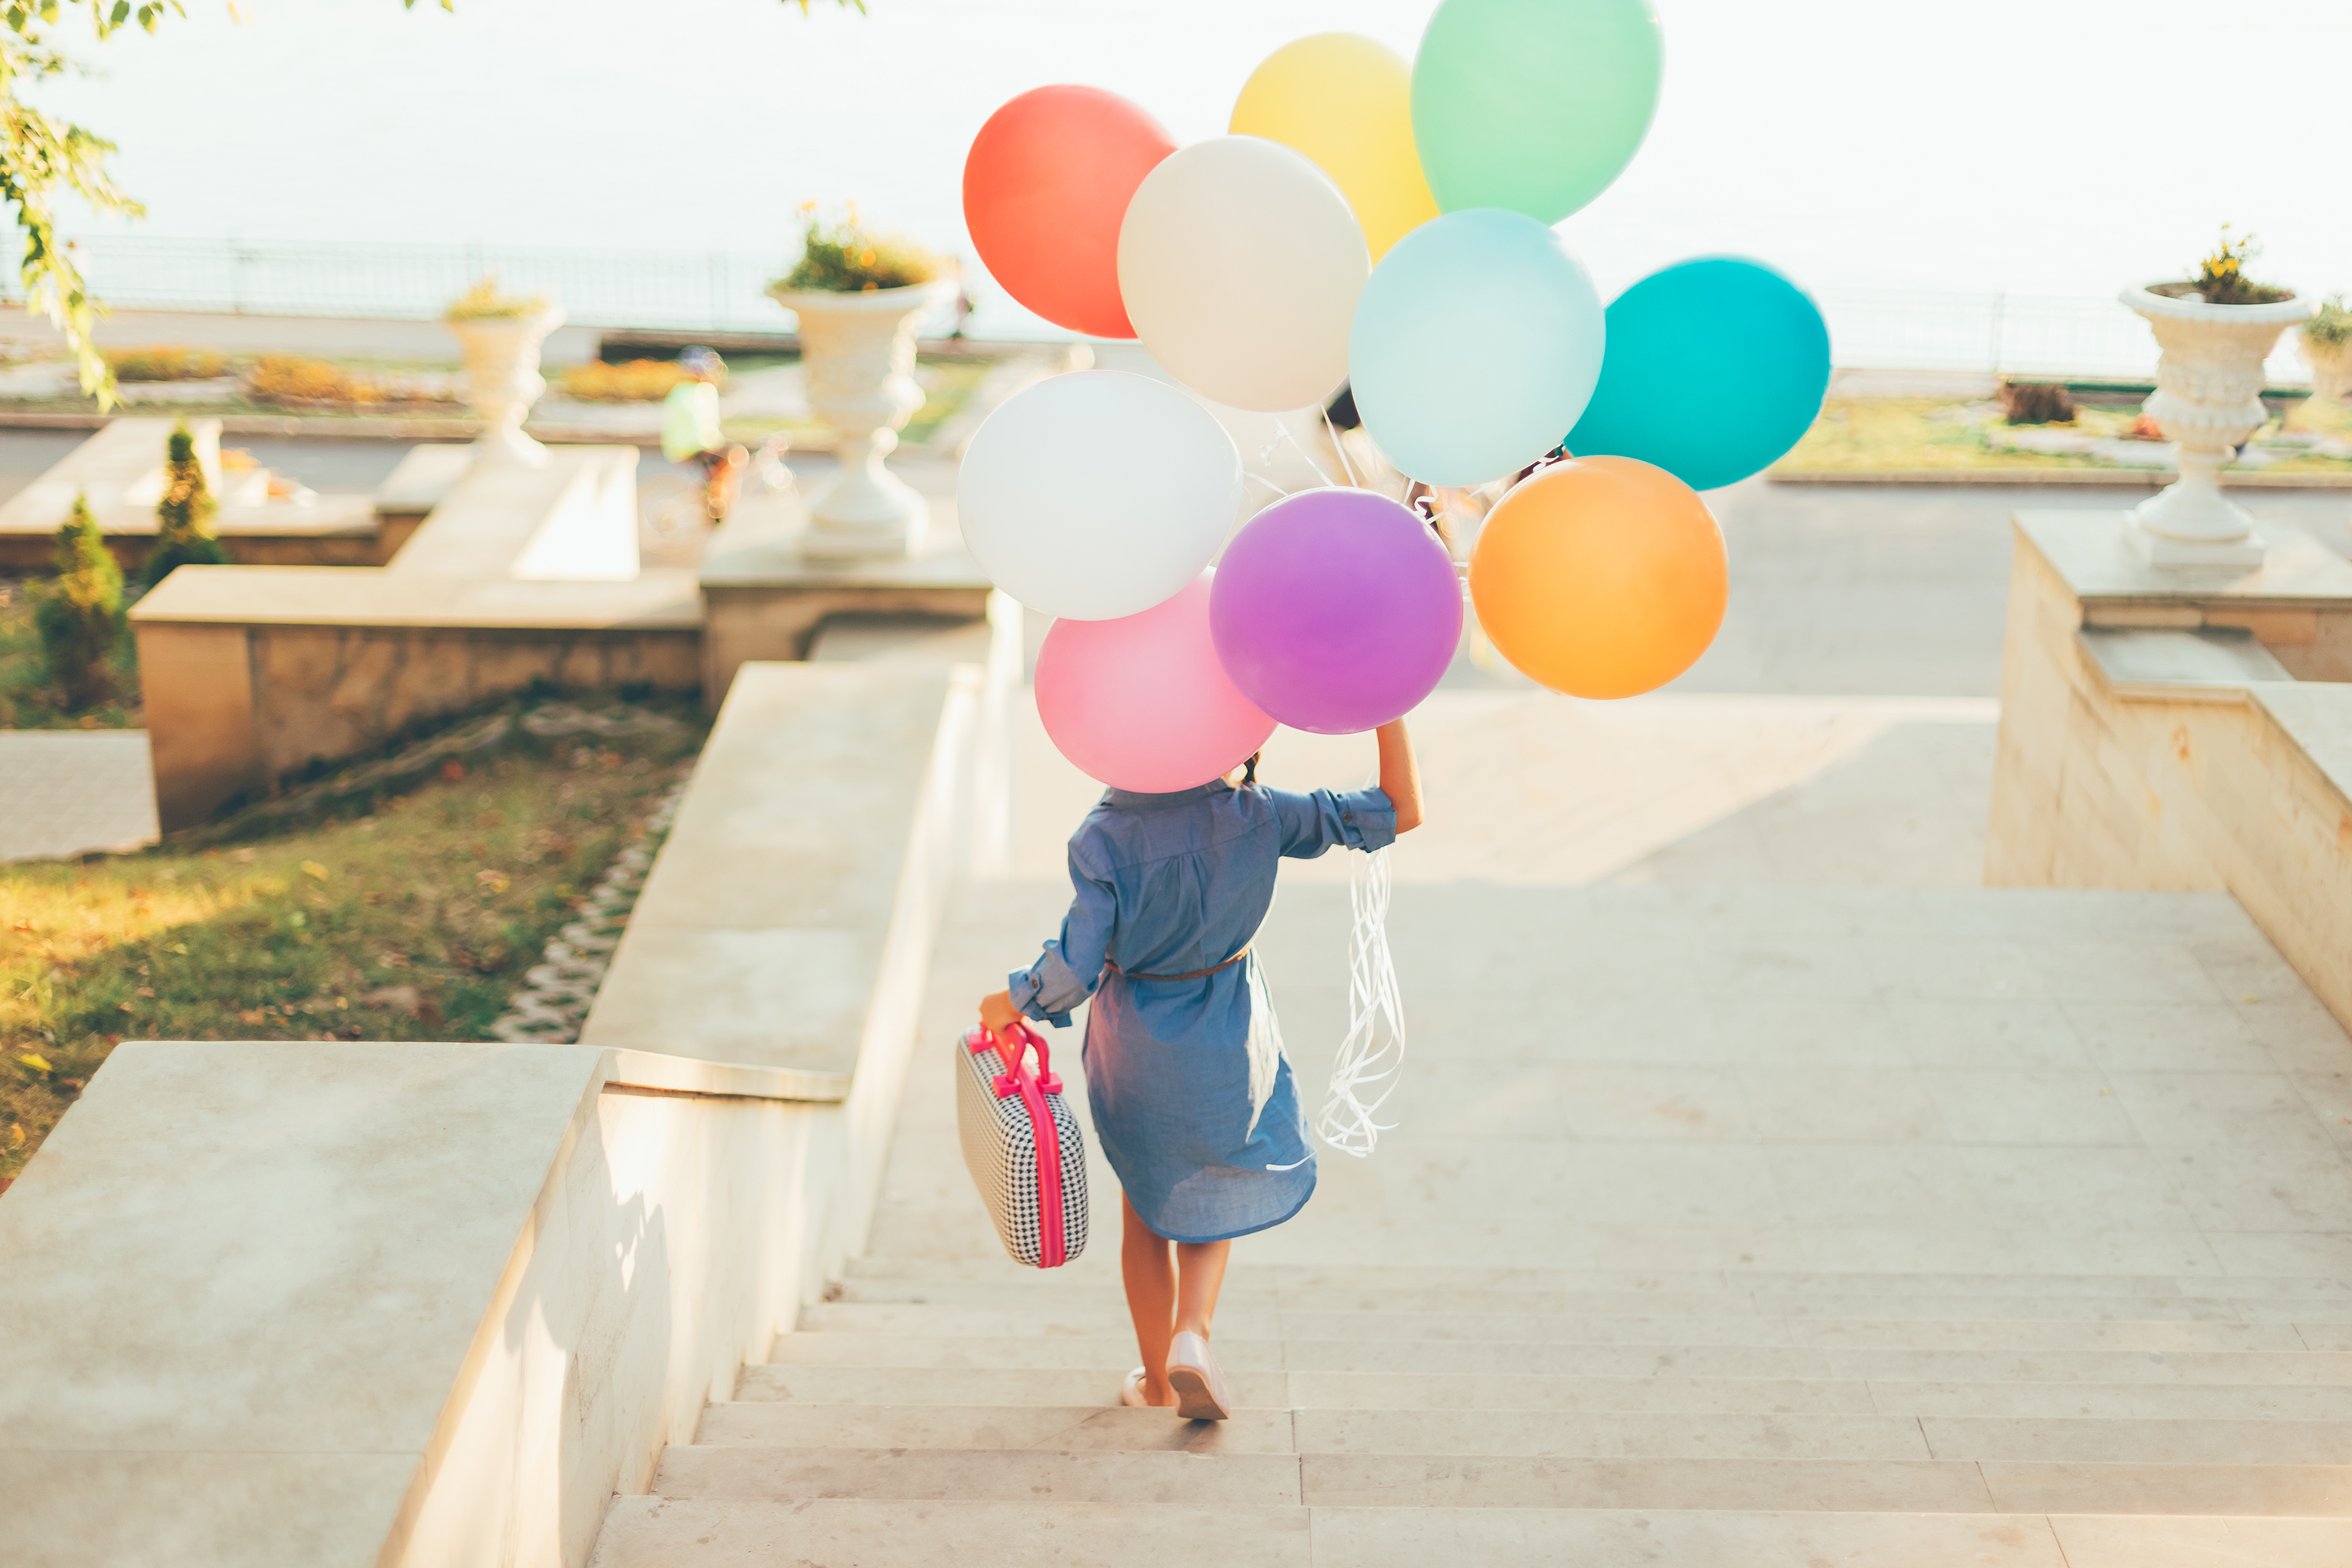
<point x="1192" y="1101"/>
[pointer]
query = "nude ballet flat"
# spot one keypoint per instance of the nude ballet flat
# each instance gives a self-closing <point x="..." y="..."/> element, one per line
<point x="1131" y="1392"/>
<point x="1200" y="1385"/>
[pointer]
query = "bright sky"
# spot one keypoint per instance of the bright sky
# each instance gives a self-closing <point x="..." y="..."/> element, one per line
<point x="2063" y="146"/>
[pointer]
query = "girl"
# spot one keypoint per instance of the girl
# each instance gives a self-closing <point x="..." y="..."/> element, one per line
<point x="1191" y="1097"/>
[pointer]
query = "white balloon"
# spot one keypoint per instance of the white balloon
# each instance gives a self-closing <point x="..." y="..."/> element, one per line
<point x="1098" y="494"/>
<point x="1240" y="262"/>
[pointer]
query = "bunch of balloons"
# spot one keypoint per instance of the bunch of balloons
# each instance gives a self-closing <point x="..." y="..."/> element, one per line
<point x="1384" y="226"/>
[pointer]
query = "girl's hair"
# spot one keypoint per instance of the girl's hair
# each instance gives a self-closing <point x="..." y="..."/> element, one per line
<point x="1249" y="770"/>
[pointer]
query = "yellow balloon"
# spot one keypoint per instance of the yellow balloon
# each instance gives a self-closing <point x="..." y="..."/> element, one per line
<point x="1346" y="102"/>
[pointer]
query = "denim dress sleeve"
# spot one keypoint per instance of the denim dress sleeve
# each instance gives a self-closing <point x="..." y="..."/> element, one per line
<point x="1072" y="965"/>
<point x="1312" y="823"/>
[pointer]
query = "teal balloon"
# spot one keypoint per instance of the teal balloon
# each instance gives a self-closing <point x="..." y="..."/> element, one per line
<point x="1534" y="105"/>
<point x="1475" y="343"/>
<point x="1715" y="369"/>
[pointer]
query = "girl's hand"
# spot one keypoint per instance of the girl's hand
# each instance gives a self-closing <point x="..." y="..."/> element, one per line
<point x="998" y="1015"/>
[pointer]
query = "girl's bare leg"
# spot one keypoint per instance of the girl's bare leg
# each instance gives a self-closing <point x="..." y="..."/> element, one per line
<point x="1164" y="1295"/>
<point x="1149" y="1276"/>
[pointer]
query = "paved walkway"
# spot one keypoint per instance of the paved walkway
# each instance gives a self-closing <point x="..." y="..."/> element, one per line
<point x="1806" y="1204"/>
<point x="67" y="792"/>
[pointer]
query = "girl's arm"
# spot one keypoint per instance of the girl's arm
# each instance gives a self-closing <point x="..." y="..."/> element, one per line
<point x="1400" y="774"/>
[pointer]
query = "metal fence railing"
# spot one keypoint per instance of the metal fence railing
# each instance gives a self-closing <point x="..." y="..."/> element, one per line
<point x="2008" y="334"/>
<point x="706" y="290"/>
<point x="2026" y="335"/>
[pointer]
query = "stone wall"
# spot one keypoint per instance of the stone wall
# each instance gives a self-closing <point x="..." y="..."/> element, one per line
<point x="519" y="577"/>
<point x="2210" y="772"/>
<point x="390" y="1305"/>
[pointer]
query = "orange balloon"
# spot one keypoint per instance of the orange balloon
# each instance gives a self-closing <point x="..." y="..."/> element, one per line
<point x="1045" y="187"/>
<point x="1600" y="577"/>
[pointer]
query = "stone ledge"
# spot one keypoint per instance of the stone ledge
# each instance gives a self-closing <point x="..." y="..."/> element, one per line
<point x="658" y="598"/>
<point x="2176" y="666"/>
<point x="2088" y="553"/>
<point x="651" y="1072"/>
<point x="761" y="935"/>
<point x="2183" y="756"/>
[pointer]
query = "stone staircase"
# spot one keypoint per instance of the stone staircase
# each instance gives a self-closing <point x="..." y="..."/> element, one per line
<point x="1754" y="1227"/>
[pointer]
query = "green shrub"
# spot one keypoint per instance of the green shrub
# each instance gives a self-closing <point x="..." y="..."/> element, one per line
<point x="165" y="362"/>
<point x="847" y="258"/>
<point x="638" y="381"/>
<point x="80" y="614"/>
<point x="183" y="518"/>
<point x="2331" y="329"/>
<point x="290" y="378"/>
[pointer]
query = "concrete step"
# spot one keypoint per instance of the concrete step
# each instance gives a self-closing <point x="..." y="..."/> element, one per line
<point x="1252" y="1273"/>
<point x="1423" y="1480"/>
<point x="1170" y="1478"/>
<point x="667" y="1532"/>
<point x="1384" y="1280"/>
<point x="993" y="1384"/>
<point x="1492" y="1327"/>
<point x="1069" y="1427"/>
<point x="1017" y="1296"/>
<point x="1088" y="1388"/>
<point x="1533" y="1434"/>
<point x="1852" y="1396"/>
<point x="1107" y="1355"/>
<point x="1843" y="1486"/>
<point x="659" y="1533"/>
<point x="1012" y="1352"/>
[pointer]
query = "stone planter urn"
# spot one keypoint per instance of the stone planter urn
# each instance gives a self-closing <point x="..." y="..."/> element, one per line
<point x="2208" y="402"/>
<point x="2331" y="369"/>
<point x="858" y="353"/>
<point x="502" y="381"/>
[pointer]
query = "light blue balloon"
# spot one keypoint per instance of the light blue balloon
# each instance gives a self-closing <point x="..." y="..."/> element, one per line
<point x="1475" y="343"/>
<point x="1715" y="368"/>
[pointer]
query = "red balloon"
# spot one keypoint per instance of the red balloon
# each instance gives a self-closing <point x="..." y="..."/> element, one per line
<point x="1045" y="187"/>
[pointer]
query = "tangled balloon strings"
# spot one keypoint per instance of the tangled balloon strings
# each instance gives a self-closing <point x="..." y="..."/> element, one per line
<point x="1372" y="1058"/>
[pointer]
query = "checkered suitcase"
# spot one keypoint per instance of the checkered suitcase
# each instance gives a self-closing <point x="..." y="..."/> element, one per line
<point x="1022" y="1148"/>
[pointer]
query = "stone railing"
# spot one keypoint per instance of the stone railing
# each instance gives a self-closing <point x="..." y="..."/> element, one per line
<point x="403" y="1304"/>
<point x="2163" y="729"/>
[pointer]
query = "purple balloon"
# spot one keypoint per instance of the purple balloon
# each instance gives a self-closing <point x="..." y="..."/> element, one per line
<point x="1336" y="610"/>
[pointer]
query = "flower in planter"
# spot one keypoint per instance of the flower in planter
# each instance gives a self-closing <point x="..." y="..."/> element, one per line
<point x="2221" y="279"/>
<point x="483" y="302"/>
<point x="845" y="257"/>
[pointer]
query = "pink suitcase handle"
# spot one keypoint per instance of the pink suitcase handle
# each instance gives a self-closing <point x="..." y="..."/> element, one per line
<point x="1046" y="1137"/>
<point x="1008" y="1081"/>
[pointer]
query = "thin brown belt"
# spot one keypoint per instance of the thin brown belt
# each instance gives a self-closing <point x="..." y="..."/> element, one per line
<point x="1112" y="964"/>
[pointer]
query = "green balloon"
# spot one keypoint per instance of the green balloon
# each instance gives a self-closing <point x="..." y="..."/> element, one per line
<point x="1534" y="105"/>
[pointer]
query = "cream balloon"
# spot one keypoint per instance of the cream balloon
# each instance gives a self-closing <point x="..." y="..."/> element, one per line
<point x="1239" y="263"/>
<point x="1098" y="494"/>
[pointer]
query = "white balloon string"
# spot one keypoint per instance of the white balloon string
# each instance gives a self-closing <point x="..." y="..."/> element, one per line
<point x="1372" y="1058"/>
<point x="1341" y="447"/>
<point x="1282" y="423"/>
<point x="1252" y="474"/>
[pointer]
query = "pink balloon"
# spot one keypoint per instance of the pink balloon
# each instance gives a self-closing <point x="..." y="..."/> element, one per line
<point x="1141" y="703"/>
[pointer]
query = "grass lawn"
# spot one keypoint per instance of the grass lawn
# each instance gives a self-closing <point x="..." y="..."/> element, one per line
<point x="26" y="701"/>
<point x="404" y="918"/>
<point x="1866" y="434"/>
